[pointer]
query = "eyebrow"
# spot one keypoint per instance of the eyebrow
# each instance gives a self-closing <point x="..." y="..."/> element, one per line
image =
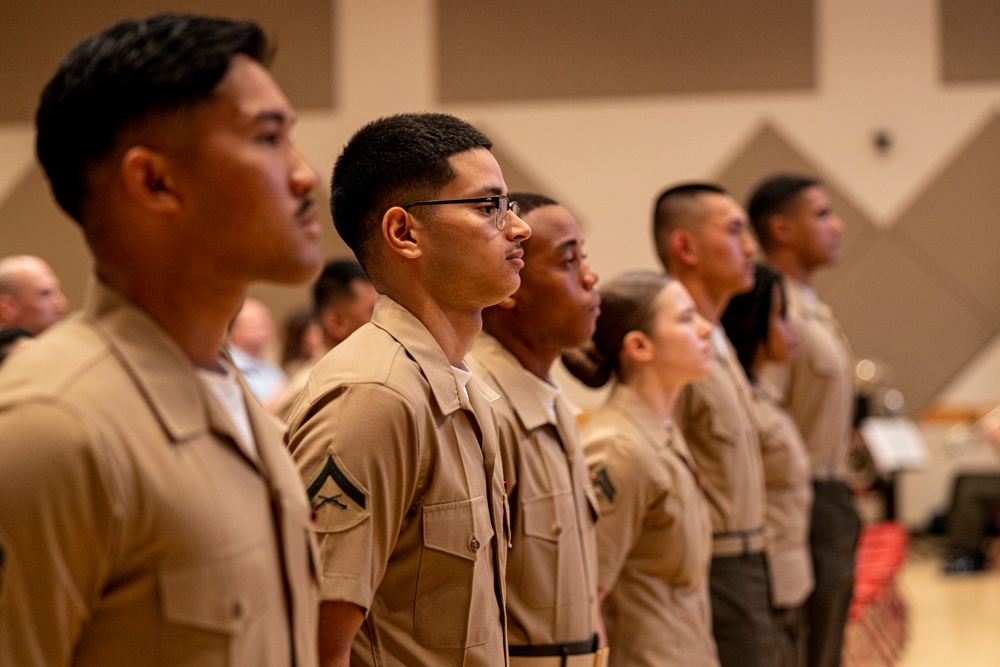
<point x="273" y="116"/>
<point x="568" y="244"/>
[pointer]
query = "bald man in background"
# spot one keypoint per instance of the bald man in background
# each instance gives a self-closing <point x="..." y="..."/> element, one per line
<point x="30" y="297"/>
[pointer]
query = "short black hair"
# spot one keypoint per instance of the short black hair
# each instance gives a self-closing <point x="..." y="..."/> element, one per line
<point x="9" y="336"/>
<point x="529" y="201"/>
<point x="336" y="282"/>
<point x="394" y="161"/>
<point x="772" y="196"/>
<point x="116" y="78"/>
<point x="745" y="319"/>
<point x="669" y="207"/>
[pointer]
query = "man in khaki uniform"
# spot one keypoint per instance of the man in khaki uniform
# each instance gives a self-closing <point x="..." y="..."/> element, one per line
<point x="148" y="512"/>
<point x="800" y="233"/>
<point x="552" y="567"/>
<point x="395" y="439"/>
<point x="703" y="240"/>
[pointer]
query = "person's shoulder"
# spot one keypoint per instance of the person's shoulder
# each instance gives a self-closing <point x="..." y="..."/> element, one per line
<point x="70" y="360"/>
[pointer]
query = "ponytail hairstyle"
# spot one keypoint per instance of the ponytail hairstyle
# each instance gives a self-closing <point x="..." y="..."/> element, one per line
<point x="626" y="305"/>
<point x="746" y="317"/>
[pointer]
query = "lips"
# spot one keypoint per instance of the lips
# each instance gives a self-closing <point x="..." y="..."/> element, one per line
<point x="516" y="256"/>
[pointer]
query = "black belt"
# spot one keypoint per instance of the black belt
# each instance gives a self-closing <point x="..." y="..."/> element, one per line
<point x="566" y="648"/>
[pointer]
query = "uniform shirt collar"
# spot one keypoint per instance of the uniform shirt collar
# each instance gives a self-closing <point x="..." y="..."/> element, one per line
<point x="529" y="401"/>
<point x="424" y="349"/>
<point x="164" y="375"/>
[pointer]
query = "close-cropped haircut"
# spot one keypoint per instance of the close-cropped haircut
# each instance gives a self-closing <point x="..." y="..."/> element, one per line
<point x="772" y="196"/>
<point x="119" y="77"/>
<point x="746" y="319"/>
<point x="529" y="201"/>
<point x="336" y="283"/>
<point x="394" y="161"/>
<point x="627" y="304"/>
<point x="673" y="209"/>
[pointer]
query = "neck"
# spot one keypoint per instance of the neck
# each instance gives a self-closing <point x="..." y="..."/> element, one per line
<point x="708" y="304"/>
<point x="452" y="329"/>
<point x="533" y="357"/>
<point x="195" y="314"/>
<point x="788" y="263"/>
<point x="658" y="395"/>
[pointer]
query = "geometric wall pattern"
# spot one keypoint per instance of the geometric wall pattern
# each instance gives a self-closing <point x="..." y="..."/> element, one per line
<point x="919" y="295"/>
<point x="969" y="30"/>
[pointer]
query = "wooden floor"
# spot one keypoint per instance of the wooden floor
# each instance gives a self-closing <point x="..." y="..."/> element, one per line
<point x="954" y="620"/>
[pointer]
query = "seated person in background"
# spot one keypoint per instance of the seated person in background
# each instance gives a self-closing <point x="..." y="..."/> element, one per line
<point x="30" y="297"/>
<point x="12" y="338"/>
<point x="251" y="340"/>
<point x="302" y="341"/>
<point x="343" y="300"/>
<point x="654" y="537"/>
<point x="552" y="565"/>
<point x="756" y="323"/>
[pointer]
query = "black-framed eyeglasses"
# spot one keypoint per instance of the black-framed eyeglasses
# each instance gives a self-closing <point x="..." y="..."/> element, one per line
<point x="501" y="204"/>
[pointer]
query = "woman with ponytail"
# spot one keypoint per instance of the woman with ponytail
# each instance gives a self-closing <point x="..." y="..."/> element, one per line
<point x="654" y="537"/>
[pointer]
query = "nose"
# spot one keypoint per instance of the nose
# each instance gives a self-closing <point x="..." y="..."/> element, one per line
<point x="837" y="224"/>
<point x="702" y="326"/>
<point x="749" y="245"/>
<point x="303" y="176"/>
<point x="516" y="229"/>
<point x="590" y="276"/>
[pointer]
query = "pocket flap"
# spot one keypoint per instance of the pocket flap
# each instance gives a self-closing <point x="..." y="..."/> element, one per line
<point x="461" y="528"/>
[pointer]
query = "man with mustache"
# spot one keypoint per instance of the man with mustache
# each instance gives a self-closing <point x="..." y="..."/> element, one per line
<point x="394" y="437"/>
<point x="148" y="511"/>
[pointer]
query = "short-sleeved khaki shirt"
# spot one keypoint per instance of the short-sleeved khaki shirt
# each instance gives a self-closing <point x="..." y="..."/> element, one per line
<point x="789" y="503"/>
<point x="135" y="527"/>
<point x="403" y="472"/>
<point x="552" y="566"/>
<point x="654" y="538"/>
<point x="715" y="416"/>
<point x="817" y="387"/>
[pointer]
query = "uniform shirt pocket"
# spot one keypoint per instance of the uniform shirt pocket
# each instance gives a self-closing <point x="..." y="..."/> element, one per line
<point x="550" y="550"/>
<point x="455" y="597"/>
<point x="207" y="604"/>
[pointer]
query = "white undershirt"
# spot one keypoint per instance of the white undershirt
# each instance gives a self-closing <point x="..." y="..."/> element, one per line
<point x="226" y="388"/>
<point x="548" y="393"/>
<point x="462" y="377"/>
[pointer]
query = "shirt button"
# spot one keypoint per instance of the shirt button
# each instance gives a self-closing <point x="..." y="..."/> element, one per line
<point x="558" y="530"/>
<point x="236" y="609"/>
<point x="474" y="544"/>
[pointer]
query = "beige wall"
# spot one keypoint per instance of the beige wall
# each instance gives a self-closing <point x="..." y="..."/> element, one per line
<point x="875" y="65"/>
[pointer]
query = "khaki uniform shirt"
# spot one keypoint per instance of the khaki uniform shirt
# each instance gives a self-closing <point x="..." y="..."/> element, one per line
<point x="715" y="416"/>
<point x="552" y="566"/>
<point x="654" y="539"/>
<point x="789" y="503"/>
<point x="817" y="388"/>
<point x="404" y="475"/>
<point x="134" y="528"/>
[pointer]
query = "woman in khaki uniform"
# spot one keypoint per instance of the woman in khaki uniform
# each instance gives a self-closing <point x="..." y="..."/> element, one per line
<point x="654" y="539"/>
<point x="757" y="325"/>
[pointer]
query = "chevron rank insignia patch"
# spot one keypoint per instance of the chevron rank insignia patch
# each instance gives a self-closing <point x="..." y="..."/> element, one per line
<point x="338" y="501"/>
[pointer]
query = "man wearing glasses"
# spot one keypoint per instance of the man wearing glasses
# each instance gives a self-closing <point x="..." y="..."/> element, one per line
<point x="395" y="439"/>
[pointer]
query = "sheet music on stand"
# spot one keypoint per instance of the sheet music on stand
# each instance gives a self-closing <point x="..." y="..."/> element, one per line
<point x="895" y="443"/>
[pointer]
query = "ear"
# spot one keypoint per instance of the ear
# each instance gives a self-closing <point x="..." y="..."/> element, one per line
<point x="684" y="246"/>
<point x="397" y="229"/>
<point x="8" y="308"/>
<point x="147" y="179"/>
<point x="636" y="345"/>
<point x="782" y="229"/>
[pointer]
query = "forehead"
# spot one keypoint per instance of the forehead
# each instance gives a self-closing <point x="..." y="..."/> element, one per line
<point x="674" y="297"/>
<point x="477" y="173"/>
<point x="813" y="197"/>
<point x="551" y="227"/>
<point x="720" y="210"/>
<point x="248" y="94"/>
